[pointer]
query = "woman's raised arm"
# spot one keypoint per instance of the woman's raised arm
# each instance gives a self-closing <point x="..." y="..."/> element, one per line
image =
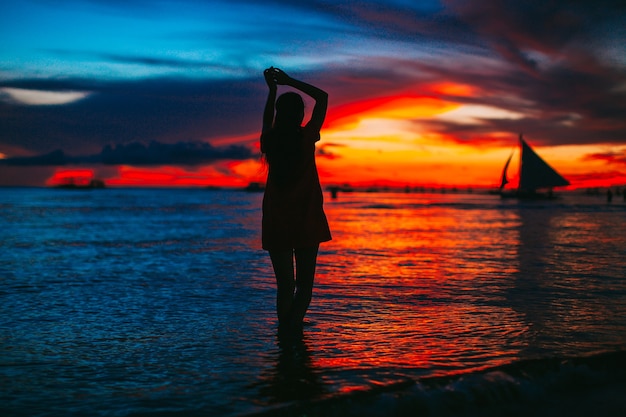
<point x="320" y="96"/>
<point x="268" y="113"/>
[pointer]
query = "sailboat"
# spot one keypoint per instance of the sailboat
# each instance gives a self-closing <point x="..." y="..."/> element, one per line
<point x="536" y="177"/>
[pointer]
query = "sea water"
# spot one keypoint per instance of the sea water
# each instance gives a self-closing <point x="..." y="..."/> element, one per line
<point x="121" y="302"/>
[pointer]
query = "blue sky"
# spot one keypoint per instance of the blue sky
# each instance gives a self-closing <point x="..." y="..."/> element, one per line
<point x="136" y="39"/>
<point x="79" y="75"/>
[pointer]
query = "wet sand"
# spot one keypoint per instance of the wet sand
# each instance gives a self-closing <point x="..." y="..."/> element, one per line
<point x="606" y="401"/>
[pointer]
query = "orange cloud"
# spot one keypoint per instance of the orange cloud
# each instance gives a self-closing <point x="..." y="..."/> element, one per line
<point x="598" y="179"/>
<point x="401" y="106"/>
<point x="172" y="176"/>
<point x="80" y="177"/>
<point x="453" y="89"/>
<point x="222" y="174"/>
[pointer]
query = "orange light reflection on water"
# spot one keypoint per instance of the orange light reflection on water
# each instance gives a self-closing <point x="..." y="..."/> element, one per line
<point x="443" y="283"/>
<point x="408" y="280"/>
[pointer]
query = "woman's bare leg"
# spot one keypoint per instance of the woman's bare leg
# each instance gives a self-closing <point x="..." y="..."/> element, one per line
<point x="282" y="261"/>
<point x="306" y="259"/>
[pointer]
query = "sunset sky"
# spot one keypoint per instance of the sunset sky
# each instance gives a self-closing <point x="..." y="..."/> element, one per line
<point x="434" y="93"/>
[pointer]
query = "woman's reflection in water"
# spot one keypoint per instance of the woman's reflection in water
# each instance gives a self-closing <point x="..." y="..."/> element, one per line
<point x="293" y="377"/>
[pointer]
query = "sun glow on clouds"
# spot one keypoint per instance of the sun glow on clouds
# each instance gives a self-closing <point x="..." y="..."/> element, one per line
<point x="383" y="123"/>
<point x="222" y="174"/>
<point x="453" y="89"/>
<point x="78" y="176"/>
<point x="388" y="140"/>
<point x="225" y="173"/>
<point x="42" y="98"/>
<point x="406" y="107"/>
<point x="472" y="114"/>
<point x="383" y="139"/>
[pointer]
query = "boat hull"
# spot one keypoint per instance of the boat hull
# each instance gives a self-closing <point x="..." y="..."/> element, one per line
<point x="528" y="195"/>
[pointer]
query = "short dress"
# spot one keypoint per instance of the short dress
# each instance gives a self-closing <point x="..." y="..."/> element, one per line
<point x="293" y="213"/>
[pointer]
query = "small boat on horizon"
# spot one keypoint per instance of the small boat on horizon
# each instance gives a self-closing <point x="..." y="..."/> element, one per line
<point x="536" y="177"/>
<point x="255" y="187"/>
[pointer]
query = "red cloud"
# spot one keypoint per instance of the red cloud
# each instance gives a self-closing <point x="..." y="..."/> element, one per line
<point x="614" y="158"/>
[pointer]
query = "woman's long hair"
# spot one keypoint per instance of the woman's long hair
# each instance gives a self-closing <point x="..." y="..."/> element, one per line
<point x="283" y="152"/>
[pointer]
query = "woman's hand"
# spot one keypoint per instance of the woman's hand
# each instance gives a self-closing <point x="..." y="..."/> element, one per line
<point x="270" y="77"/>
<point x="281" y="76"/>
<point x="275" y="76"/>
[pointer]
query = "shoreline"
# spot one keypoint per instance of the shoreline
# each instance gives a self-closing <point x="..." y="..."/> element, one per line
<point x="576" y="387"/>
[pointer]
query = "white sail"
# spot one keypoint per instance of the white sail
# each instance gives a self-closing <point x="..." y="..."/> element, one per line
<point x="535" y="173"/>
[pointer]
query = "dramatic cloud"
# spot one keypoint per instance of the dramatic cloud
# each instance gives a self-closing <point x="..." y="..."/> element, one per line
<point x="38" y="97"/>
<point x="155" y="154"/>
<point x="189" y="72"/>
<point x="614" y="158"/>
<point x="163" y="110"/>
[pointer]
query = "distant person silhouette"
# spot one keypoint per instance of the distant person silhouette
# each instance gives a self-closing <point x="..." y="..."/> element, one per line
<point x="294" y="223"/>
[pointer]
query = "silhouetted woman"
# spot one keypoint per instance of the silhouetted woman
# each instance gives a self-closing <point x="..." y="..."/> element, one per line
<point x="294" y="223"/>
